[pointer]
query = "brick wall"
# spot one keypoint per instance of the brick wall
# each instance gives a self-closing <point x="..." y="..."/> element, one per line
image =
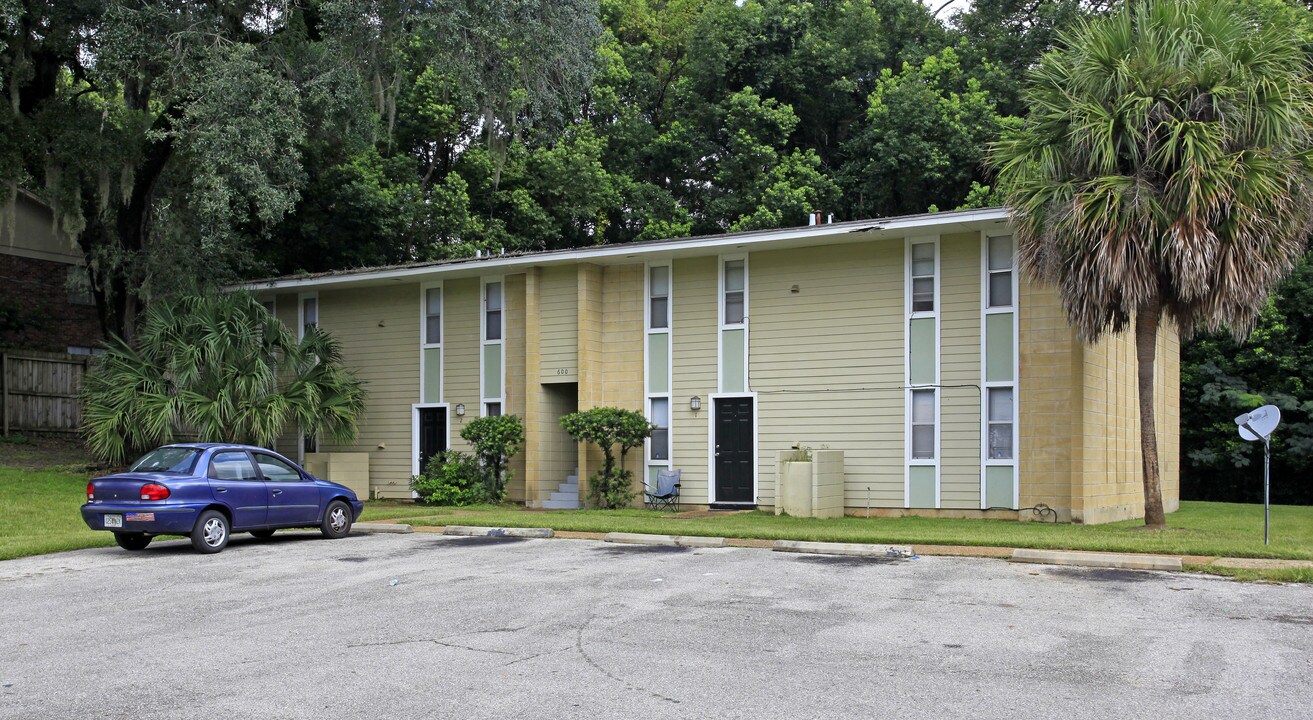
<point x="34" y="298"/>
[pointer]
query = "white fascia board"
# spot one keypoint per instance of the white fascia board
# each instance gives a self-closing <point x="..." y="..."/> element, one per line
<point x="500" y="265"/>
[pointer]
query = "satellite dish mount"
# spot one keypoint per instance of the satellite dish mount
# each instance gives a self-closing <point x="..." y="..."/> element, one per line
<point x="1255" y="426"/>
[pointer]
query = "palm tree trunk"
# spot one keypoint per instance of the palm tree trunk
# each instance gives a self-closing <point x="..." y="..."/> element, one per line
<point x="1146" y="346"/>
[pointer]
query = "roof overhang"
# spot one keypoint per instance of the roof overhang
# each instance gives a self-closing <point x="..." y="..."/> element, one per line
<point x="800" y="237"/>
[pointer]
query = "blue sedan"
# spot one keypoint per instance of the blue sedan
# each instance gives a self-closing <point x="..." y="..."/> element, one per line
<point x="208" y="491"/>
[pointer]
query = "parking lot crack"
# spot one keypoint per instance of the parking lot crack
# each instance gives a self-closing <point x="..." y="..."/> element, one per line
<point x="579" y="645"/>
<point x="435" y="641"/>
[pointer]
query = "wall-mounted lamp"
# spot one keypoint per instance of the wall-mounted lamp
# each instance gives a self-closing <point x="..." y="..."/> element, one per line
<point x="460" y="410"/>
<point x="695" y="403"/>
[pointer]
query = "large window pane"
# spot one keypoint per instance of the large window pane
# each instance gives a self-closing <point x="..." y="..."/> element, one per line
<point x="923" y="406"/>
<point x="493" y="296"/>
<point x="734" y="275"/>
<point x="923" y="295"/>
<point x="923" y="442"/>
<point x="733" y="308"/>
<point x="433" y="316"/>
<point x="493" y="331"/>
<point x="1000" y="253"/>
<point x="660" y="412"/>
<point x="1000" y="441"/>
<point x="1000" y="289"/>
<point x="923" y="259"/>
<point x="310" y="312"/>
<point x="660" y="312"/>
<point x="660" y="281"/>
<point x="660" y="444"/>
<point x="1000" y="404"/>
<point x="492" y="409"/>
<point x="433" y="329"/>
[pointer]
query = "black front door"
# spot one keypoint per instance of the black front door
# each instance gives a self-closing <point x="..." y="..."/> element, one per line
<point x="734" y="450"/>
<point x="432" y="434"/>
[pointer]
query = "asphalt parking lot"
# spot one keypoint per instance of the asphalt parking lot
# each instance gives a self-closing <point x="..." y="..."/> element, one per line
<point x="300" y="627"/>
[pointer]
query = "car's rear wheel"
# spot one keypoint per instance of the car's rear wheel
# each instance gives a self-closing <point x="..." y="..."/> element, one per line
<point x="211" y="532"/>
<point x="337" y="520"/>
<point x="132" y="541"/>
<point x="262" y="534"/>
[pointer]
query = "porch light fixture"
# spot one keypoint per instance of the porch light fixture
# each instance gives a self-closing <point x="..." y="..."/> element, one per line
<point x="460" y="410"/>
<point x="695" y="403"/>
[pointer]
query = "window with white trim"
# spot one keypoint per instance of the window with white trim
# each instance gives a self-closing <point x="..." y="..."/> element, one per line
<point x="658" y="298"/>
<point x="735" y="284"/>
<point x="433" y="316"/>
<point x="923" y="424"/>
<point x="491" y="409"/>
<point x="923" y="277"/>
<point x="660" y="441"/>
<point x="1000" y="271"/>
<point x="492" y="308"/>
<point x="1000" y="423"/>
<point x="309" y="313"/>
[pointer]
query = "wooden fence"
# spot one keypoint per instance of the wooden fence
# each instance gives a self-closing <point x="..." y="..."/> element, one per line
<point x="39" y="391"/>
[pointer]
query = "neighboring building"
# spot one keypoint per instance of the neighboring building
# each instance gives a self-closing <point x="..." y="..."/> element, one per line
<point x="952" y="386"/>
<point x="45" y="298"/>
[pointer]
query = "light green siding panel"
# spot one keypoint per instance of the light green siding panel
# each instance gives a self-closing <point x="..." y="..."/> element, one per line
<point x="732" y="349"/>
<point x="922" y="348"/>
<point x="432" y="375"/>
<point x="491" y="371"/>
<point x="998" y="347"/>
<point x="658" y="363"/>
<point x="998" y="486"/>
<point x="921" y="486"/>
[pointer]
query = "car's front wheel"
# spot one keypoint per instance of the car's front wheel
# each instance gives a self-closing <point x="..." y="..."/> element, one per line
<point x="132" y="541"/>
<point x="337" y="520"/>
<point x="211" y="532"/>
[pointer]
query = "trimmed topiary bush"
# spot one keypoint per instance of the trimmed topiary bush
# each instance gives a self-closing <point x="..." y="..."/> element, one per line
<point x="612" y="486"/>
<point x="451" y="478"/>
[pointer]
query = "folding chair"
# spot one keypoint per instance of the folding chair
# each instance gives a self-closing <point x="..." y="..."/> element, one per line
<point x="663" y="494"/>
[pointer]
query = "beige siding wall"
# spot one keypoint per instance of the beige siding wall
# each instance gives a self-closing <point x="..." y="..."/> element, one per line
<point x="693" y="354"/>
<point x="558" y="323"/>
<point x="461" y="347"/>
<point x="1048" y="400"/>
<point x="516" y="375"/>
<point x="827" y="362"/>
<point x="380" y="341"/>
<point x="959" y="465"/>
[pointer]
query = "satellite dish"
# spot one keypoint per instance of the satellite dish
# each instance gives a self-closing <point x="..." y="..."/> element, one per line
<point x="1257" y="425"/>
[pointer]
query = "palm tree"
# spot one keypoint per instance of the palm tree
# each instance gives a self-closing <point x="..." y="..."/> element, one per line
<point x="221" y="368"/>
<point x="1164" y="170"/>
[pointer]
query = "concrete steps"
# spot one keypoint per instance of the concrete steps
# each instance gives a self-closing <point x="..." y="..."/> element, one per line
<point x="566" y="496"/>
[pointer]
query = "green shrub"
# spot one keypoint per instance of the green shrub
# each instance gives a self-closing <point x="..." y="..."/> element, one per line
<point x="495" y="439"/>
<point x="607" y="427"/>
<point x="451" y="478"/>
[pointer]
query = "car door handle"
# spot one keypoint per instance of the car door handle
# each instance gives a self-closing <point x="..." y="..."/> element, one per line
<point x="221" y="489"/>
<point x="277" y="492"/>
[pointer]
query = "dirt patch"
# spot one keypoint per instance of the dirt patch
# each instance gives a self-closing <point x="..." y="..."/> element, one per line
<point x="44" y="452"/>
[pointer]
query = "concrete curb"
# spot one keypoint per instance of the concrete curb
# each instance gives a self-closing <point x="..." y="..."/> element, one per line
<point x="1104" y="560"/>
<point x="397" y="528"/>
<point x="694" y="541"/>
<point x="855" y="549"/>
<point x="473" y="531"/>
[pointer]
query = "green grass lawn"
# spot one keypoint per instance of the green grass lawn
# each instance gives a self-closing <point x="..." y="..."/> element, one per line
<point x="1222" y="529"/>
<point x="39" y="514"/>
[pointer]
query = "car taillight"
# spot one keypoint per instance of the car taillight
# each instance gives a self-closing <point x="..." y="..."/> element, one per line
<point x="91" y="491"/>
<point x="152" y="491"/>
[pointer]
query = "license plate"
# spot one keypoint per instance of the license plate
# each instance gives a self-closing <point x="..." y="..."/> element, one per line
<point x="113" y="521"/>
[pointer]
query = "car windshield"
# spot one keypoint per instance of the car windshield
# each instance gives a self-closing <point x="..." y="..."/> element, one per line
<point x="167" y="460"/>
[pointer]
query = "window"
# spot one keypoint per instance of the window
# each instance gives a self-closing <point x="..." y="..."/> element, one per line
<point x="735" y="283"/>
<point x="167" y="460"/>
<point x="492" y="409"/>
<point x="659" y="298"/>
<point x="660" y="443"/>
<point x="923" y="277"/>
<point x="232" y="465"/>
<point x="1000" y="271"/>
<point x="275" y="470"/>
<point x="433" y="316"/>
<point x="1000" y="423"/>
<point x="309" y="444"/>
<point x="492" y="311"/>
<point x="309" y="312"/>
<point x="77" y="283"/>
<point x="923" y="424"/>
